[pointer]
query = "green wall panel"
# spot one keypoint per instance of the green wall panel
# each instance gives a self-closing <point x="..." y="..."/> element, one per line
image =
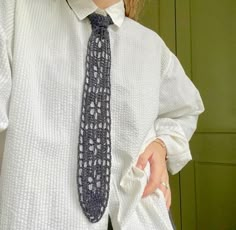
<point x="214" y="148"/>
<point x="213" y="36"/>
<point x="205" y="41"/>
<point x="216" y="200"/>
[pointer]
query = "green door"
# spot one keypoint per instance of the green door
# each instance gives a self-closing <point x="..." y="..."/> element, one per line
<point x="203" y="35"/>
<point x="208" y="185"/>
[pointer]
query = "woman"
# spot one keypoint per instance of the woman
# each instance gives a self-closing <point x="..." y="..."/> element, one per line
<point x="153" y="106"/>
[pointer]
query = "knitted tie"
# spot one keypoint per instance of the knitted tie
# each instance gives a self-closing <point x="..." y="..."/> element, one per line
<point x="94" y="149"/>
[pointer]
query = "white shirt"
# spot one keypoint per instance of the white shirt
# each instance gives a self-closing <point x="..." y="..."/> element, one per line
<point x="42" y="66"/>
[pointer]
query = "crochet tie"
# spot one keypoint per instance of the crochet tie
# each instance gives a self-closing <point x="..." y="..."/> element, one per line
<point x="94" y="148"/>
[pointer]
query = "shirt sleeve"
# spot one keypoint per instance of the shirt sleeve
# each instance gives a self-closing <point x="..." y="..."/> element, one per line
<point x="179" y="107"/>
<point x="5" y="80"/>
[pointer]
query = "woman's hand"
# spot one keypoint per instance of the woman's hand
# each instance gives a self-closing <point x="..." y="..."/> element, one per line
<point x="155" y="153"/>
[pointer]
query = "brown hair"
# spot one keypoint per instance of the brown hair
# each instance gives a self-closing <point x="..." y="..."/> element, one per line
<point x="133" y="8"/>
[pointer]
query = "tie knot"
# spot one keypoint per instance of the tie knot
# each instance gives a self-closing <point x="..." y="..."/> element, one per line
<point x="98" y="20"/>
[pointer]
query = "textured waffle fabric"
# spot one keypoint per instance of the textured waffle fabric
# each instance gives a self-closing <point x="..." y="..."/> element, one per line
<point x="43" y="47"/>
<point x="94" y="151"/>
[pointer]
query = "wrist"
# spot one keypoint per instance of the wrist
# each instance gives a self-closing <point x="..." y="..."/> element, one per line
<point x="163" y="146"/>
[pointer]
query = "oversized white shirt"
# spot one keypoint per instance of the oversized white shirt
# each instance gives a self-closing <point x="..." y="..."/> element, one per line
<point x="42" y="67"/>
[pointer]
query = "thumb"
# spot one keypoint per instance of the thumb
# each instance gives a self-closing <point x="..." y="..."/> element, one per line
<point x="143" y="159"/>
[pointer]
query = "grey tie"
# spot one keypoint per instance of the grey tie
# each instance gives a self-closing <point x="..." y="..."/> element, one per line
<point x="94" y="148"/>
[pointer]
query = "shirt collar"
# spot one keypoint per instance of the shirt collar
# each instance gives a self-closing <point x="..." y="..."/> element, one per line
<point x="83" y="8"/>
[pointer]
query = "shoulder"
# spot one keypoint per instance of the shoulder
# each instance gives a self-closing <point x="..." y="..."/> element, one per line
<point x="139" y="35"/>
<point x="144" y="34"/>
<point x="148" y="39"/>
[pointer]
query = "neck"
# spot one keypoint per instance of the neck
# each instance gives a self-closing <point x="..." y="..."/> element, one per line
<point x="105" y="3"/>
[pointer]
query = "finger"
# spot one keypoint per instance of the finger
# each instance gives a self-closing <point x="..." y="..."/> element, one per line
<point x="163" y="189"/>
<point x="164" y="183"/>
<point x="154" y="179"/>
<point x="168" y="199"/>
<point x="143" y="159"/>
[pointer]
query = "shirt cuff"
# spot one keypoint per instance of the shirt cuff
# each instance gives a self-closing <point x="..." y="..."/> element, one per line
<point x="178" y="150"/>
<point x="178" y="153"/>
